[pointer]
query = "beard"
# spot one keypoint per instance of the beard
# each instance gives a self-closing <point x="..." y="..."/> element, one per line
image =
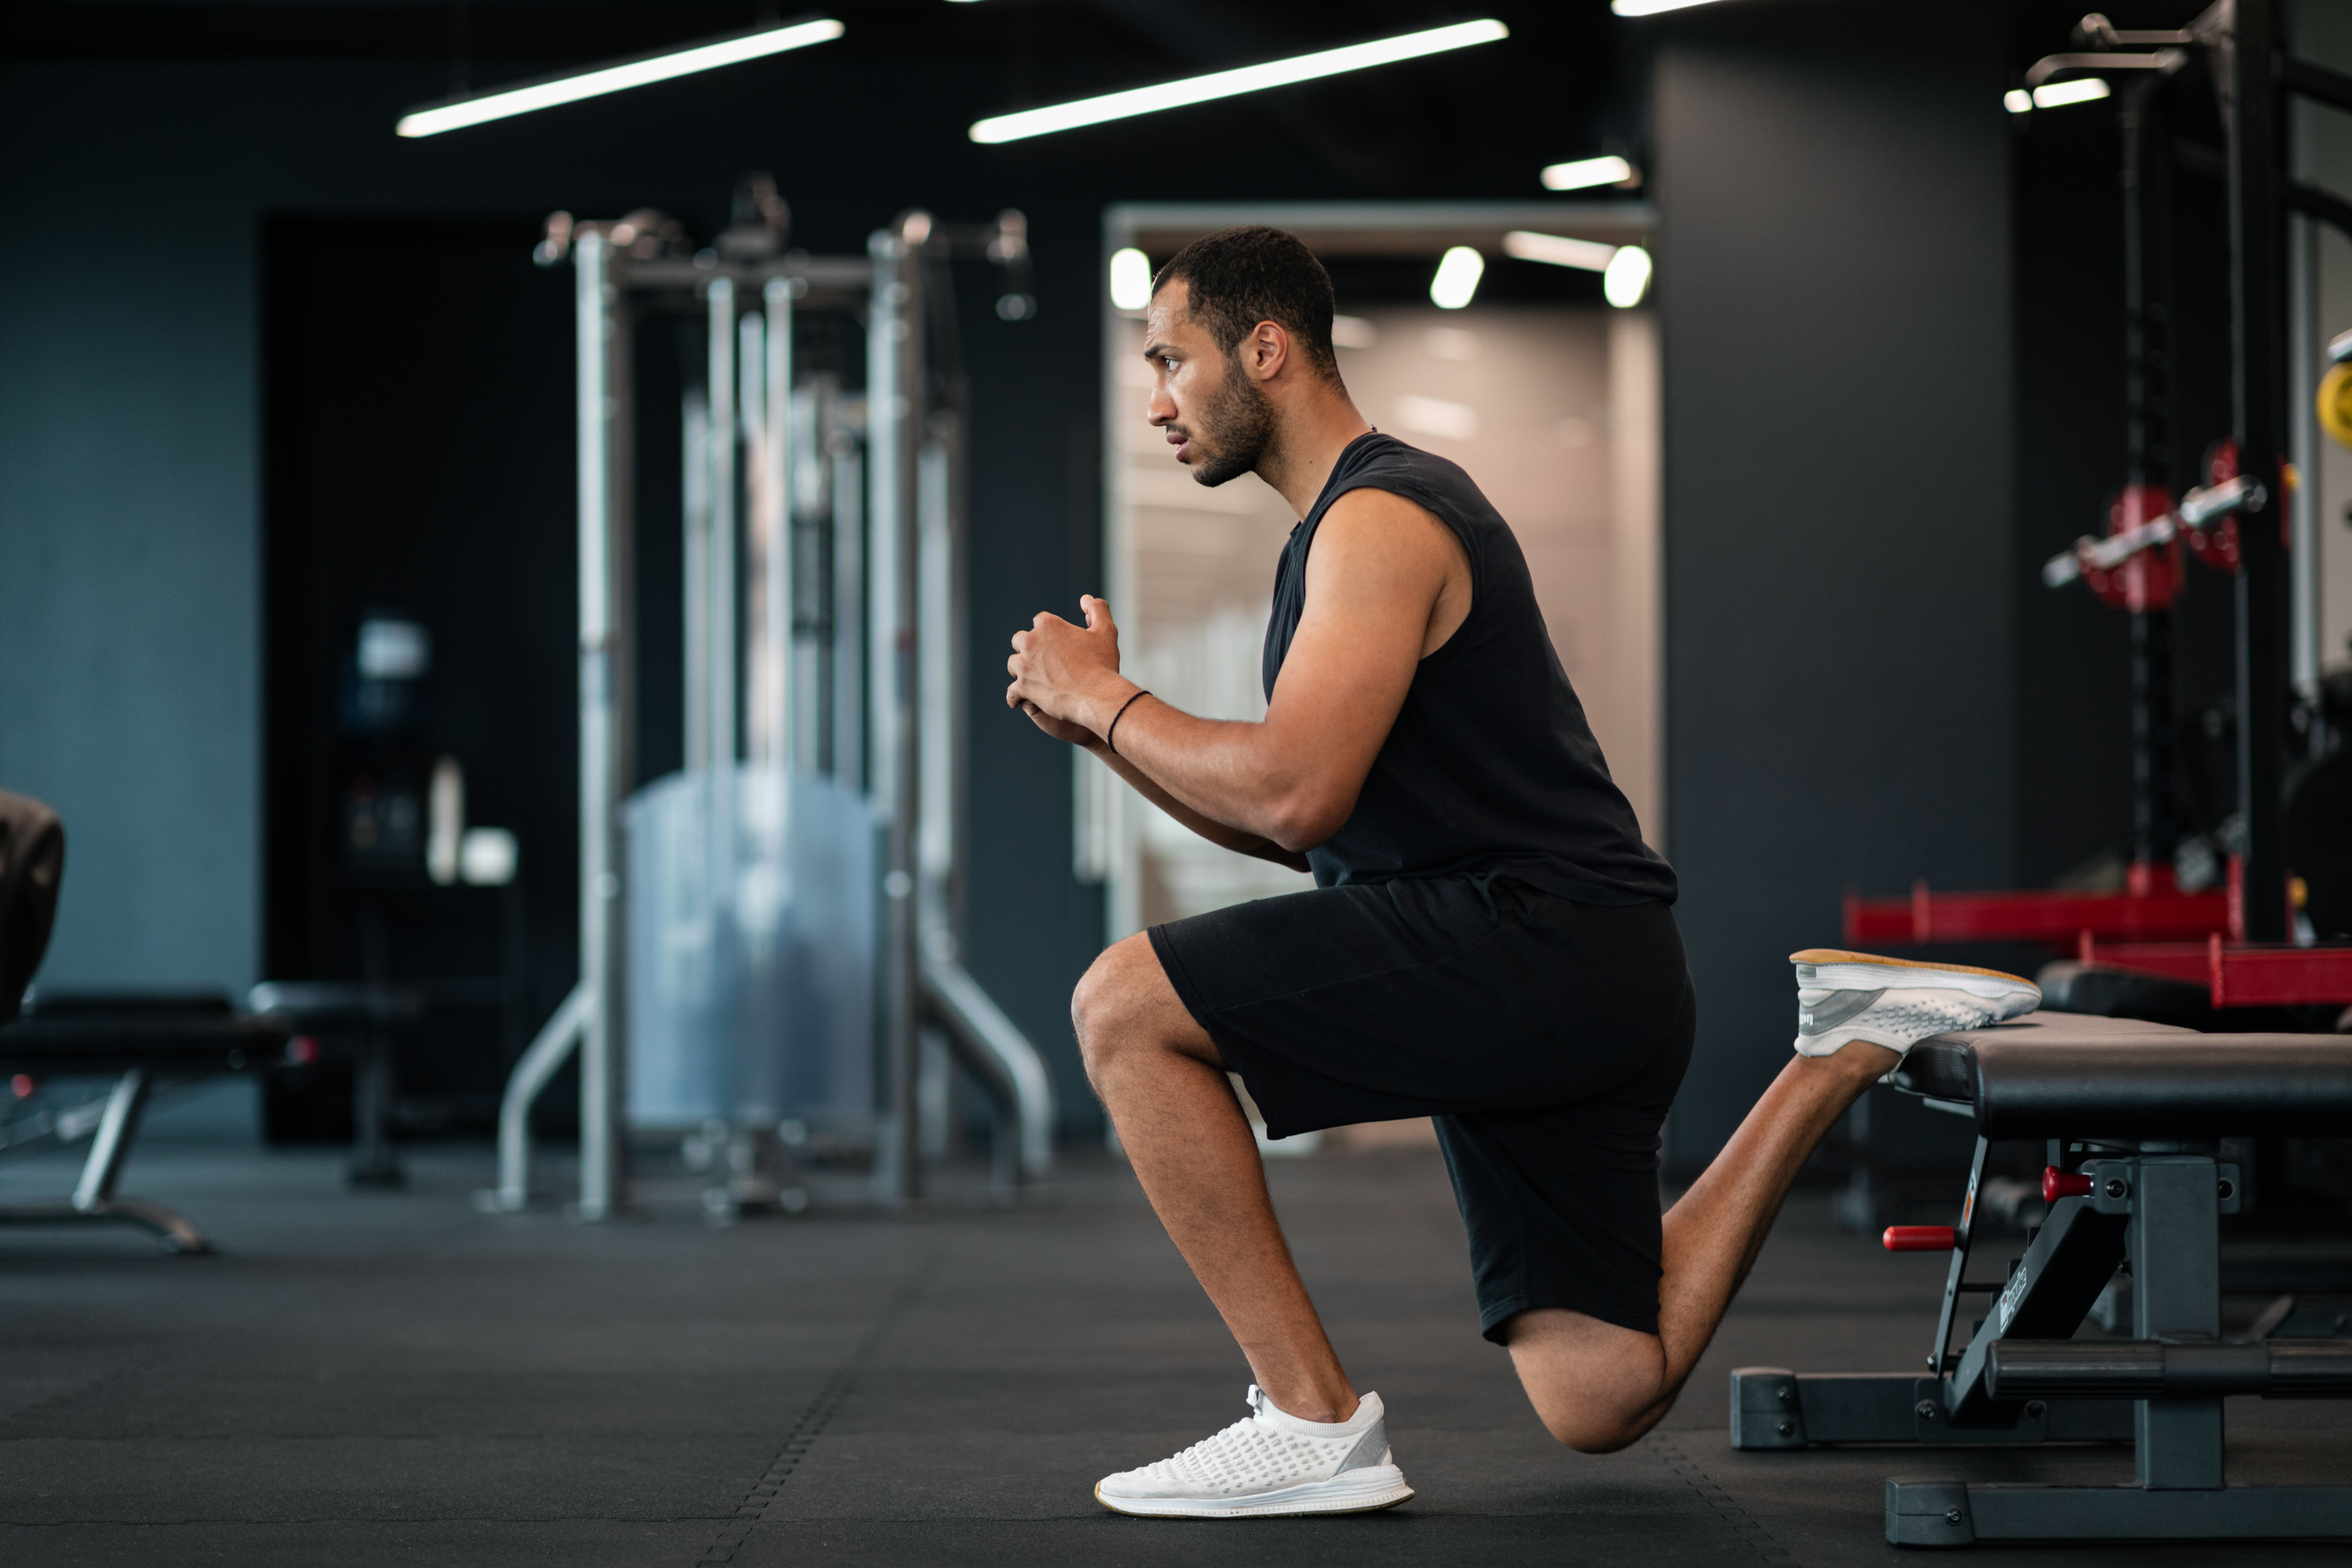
<point x="1233" y="429"/>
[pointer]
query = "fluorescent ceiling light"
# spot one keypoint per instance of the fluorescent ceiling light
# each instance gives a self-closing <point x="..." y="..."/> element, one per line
<point x="1558" y="250"/>
<point x="1628" y="277"/>
<point x="1227" y="83"/>
<point x="2017" y="100"/>
<point x="1130" y="278"/>
<point x="2057" y="94"/>
<point x="1649" y="8"/>
<point x="1585" y="172"/>
<point x="571" y="88"/>
<point x="1456" y="283"/>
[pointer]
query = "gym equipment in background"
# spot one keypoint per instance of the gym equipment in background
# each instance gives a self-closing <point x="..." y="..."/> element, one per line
<point x="358" y="1022"/>
<point x="138" y="1039"/>
<point x="2244" y="933"/>
<point x="2138" y="1176"/>
<point x="827" y="849"/>
<point x="147" y="1042"/>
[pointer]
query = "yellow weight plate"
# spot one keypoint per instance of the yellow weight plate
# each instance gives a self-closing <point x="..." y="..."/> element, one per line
<point x="2335" y="402"/>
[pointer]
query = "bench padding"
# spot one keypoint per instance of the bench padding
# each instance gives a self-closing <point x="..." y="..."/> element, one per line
<point x="160" y="1042"/>
<point x="2051" y="1075"/>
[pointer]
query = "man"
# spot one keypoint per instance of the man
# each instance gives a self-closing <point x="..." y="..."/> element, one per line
<point x="1489" y="942"/>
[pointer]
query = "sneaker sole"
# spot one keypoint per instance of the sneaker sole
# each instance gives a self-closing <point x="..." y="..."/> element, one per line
<point x="1834" y="970"/>
<point x="1368" y="1494"/>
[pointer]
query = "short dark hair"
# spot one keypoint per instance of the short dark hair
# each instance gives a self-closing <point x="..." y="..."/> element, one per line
<point x="1240" y="277"/>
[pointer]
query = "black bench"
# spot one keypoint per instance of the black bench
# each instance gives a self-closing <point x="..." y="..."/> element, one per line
<point x="361" y="1018"/>
<point x="138" y="1039"/>
<point x="2133" y="1115"/>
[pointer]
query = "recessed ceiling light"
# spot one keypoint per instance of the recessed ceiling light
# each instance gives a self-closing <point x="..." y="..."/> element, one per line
<point x="1650" y="8"/>
<point x="1130" y="280"/>
<point x="577" y="84"/>
<point x="1628" y="277"/>
<point x="1456" y="283"/>
<point x="1228" y="83"/>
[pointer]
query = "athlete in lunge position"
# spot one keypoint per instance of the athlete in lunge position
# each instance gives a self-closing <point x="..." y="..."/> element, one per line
<point x="1488" y="942"/>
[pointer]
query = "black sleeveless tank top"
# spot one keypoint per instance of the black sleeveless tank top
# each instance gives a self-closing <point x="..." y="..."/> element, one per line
<point x="1490" y="766"/>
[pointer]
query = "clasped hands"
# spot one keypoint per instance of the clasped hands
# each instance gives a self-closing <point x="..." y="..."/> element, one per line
<point x="1066" y="678"/>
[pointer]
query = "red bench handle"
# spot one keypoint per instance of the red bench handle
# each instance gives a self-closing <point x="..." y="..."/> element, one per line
<point x="1919" y="1239"/>
<point x="2057" y="1184"/>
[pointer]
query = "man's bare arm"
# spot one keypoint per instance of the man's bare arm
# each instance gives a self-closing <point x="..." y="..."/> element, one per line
<point x="1386" y="584"/>
<point x="1208" y="827"/>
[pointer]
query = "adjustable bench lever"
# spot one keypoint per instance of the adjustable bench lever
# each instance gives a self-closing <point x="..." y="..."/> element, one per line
<point x="2057" y="1184"/>
<point x="1919" y="1239"/>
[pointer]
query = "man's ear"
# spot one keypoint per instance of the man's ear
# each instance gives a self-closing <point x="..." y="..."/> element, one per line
<point x="1269" y="351"/>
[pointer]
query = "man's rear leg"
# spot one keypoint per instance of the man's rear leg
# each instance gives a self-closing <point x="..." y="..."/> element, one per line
<point x="1164" y="1081"/>
<point x="1598" y="1387"/>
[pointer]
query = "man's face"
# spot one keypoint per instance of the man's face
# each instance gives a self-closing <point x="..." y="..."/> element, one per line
<point x="1215" y="415"/>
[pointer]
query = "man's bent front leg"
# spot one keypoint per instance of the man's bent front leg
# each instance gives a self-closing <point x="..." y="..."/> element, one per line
<point x="1597" y="1387"/>
<point x="1164" y="1083"/>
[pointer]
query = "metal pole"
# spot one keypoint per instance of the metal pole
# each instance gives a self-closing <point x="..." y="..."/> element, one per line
<point x="695" y="574"/>
<point x="2304" y="334"/>
<point x="894" y="420"/>
<point x="2148" y="462"/>
<point x="2259" y="387"/>
<point x="852" y="655"/>
<point x="776" y="525"/>
<point x="726" y="546"/>
<point x="602" y="348"/>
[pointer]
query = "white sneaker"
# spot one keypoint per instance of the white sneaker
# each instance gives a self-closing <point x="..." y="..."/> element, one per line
<point x="1267" y="1465"/>
<point x="1844" y="997"/>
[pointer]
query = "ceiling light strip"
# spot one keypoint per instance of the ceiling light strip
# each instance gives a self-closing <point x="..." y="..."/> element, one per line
<point x="1228" y="83"/>
<point x="728" y="51"/>
<point x="1558" y="250"/>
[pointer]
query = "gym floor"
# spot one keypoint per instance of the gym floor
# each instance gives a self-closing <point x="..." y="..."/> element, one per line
<point x="395" y="1378"/>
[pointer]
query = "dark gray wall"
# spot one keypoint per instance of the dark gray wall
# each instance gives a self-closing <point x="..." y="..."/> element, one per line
<point x="1834" y="293"/>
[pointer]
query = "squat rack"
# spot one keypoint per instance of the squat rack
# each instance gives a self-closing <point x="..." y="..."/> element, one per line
<point x="913" y="542"/>
<point x="2146" y="926"/>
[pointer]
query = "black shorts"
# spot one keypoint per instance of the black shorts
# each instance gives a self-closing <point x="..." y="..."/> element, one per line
<point x="1548" y="1037"/>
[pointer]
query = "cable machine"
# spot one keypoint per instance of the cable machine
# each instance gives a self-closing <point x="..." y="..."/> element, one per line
<point x="823" y="546"/>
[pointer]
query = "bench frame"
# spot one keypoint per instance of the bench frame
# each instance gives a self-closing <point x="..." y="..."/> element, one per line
<point x="93" y="1200"/>
<point x="2154" y="1208"/>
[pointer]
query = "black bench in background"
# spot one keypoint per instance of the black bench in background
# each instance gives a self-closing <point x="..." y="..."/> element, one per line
<point x="2132" y="1116"/>
<point x="141" y="1040"/>
<point x="360" y="1020"/>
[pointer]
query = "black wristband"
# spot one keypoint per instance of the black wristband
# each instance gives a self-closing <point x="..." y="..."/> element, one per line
<point x="1111" y="736"/>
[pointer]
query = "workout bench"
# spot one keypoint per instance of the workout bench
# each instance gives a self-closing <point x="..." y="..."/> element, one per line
<point x="139" y="1040"/>
<point x="2133" y="1114"/>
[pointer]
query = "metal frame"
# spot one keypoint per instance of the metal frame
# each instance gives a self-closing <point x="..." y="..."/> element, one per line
<point x="2153" y="1208"/>
<point x="143" y="1047"/>
<point x="914" y="664"/>
<point x="2272" y="583"/>
<point x="93" y="1199"/>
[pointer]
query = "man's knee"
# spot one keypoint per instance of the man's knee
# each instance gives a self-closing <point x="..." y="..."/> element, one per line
<point x="1592" y="1426"/>
<point x="1597" y="1388"/>
<point x="1104" y="1007"/>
